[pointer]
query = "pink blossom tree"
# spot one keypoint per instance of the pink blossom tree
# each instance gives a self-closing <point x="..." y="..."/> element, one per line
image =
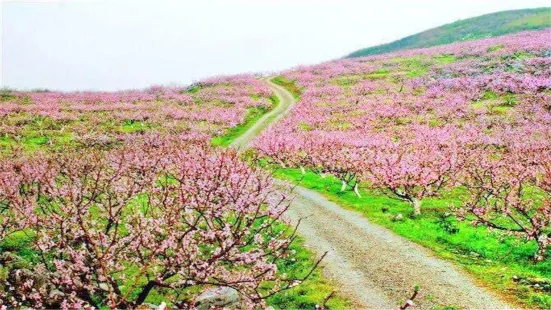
<point x="110" y="228"/>
<point x="510" y="192"/>
<point x="413" y="168"/>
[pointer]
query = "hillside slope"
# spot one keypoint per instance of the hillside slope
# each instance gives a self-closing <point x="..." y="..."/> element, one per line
<point x="488" y="25"/>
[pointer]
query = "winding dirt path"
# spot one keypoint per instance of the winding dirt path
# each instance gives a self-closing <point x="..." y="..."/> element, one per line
<point x="286" y="102"/>
<point x="372" y="266"/>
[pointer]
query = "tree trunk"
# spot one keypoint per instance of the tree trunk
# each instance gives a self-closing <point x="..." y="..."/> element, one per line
<point x="542" y="247"/>
<point x="416" y="206"/>
<point x="343" y="187"/>
<point x="302" y="170"/>
<point x="323" y="175"/>
<point x="357" y="190"/>
<point x="145" y="292"/>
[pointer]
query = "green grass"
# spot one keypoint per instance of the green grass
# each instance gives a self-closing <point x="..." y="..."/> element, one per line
<point x="289" y="85"/>
<point x="35" y="141"/>
<point x="491" y="258"/>
<point x="535" y="21"/>
<point x="444" y="59"/>
<point x="414" y="66"/>
<point x="193" y="89"/>
<point x="495" y="103"/>
<point x="5" y="96"/>
<point x="378" y="74"/>
<point x="313" y="291"/>
<point x="133" y="126"/>
<point x="253" y="115"/>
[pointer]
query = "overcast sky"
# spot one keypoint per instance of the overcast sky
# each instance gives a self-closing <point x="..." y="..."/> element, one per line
<point x="120" y="44"/>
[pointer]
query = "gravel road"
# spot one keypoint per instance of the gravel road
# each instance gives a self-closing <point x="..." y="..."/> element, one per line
<point x="377" y="268"/>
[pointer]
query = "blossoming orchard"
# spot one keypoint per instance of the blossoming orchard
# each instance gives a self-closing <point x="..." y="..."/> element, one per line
<point x="475" y="115"/>
<point x="122" y="199"/>
<point x="118" y="196"/>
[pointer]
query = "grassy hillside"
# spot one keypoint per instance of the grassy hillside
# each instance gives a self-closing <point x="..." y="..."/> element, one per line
<point x="488" y="25"/>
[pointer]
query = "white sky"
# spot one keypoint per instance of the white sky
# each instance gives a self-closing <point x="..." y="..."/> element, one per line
<point x="119" y="44"/>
